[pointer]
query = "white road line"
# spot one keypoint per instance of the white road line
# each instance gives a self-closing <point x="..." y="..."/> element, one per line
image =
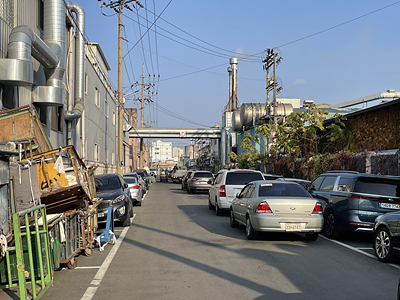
<point x="370" y="248"/>
<point x="357" y="250"/>
<point x="92" y="267"/>
<point x="91" y="290"/>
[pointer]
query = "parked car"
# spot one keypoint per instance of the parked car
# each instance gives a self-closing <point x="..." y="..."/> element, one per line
<point x="113" y="191"/>
<point x="135" y="190"/>
<point x="139" y="178"/>
<point x="145" y="176"/>
<point x="386" y="241"/>
<point x="352" y="201"/>
<point x="163" y="176"/>
<point x="226" y="185"/>
<point x="177" y="176"/>
<point x="185" y="179"/>
<point x="271" y="176"/>
<point x="304" y="183"/>
<point x="276" y="206"/>
<point x="199" y="181"/>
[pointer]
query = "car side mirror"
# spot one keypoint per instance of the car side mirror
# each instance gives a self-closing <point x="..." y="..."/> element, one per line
<point x="237" y="195"/>
<point x="125" y="185"/>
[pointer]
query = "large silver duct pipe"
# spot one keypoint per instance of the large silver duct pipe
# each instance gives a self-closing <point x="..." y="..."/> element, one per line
<point x="24" y="42"/>
<point x="79" y="106"/>
<point x="17" y="69"/>
<point x="230" y="88"/>
<point x="223" y="147"/>
<point x="54" y="36"/>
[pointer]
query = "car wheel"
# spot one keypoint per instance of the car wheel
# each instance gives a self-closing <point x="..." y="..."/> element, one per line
<point x="330" y="226"/>
<point x="182" y="187"/>
<point x="210" y="206"/>
<point x="218" y="211"/>
<point x="127" y="222"/>
<point x="233" y="222"/>
<point x="383" y="245"/>
<point x="251" y="234"/>
<point x="139" y="203"/>
<point x="312" y="236"/>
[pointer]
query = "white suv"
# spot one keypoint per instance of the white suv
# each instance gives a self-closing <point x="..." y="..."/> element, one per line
<point x="227" y="184"/>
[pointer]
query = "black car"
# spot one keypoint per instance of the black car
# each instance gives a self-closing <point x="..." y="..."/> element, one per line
<point x="386" y="242"/>
<point x="144" y="175"/>
<point x="113" y="191"/>
<point x="185" y="179"/>
<point x="352" y="200"/>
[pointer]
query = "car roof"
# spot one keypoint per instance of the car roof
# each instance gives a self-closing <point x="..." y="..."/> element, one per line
<point x="106" y="175"/>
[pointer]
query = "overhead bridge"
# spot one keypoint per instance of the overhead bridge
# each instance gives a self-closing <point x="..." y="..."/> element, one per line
<point x="176" y="133"/>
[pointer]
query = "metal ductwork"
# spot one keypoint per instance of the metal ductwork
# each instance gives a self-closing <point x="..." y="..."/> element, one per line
<point x="79" y="105"/>
<point x="54" y="37"/>
<point x="17" y="69"/>
<point x="251" y="113"/>
<point x="236" y="123"/>
<point x="282" y="110"/>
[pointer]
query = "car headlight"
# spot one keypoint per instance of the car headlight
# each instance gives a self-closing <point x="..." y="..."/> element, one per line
<point x="118" y="199"/>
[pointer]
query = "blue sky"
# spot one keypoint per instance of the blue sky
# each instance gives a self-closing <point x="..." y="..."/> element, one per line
<point x="356" y="59"/>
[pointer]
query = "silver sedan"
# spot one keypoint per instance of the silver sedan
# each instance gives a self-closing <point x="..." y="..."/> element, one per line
<point x="276" y="206"/>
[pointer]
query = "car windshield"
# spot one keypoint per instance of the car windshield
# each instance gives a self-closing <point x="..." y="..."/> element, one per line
<point x="130" y="179"/>
<point x="107" y="183"/>
<point x="241" y="178"/>
<point x="203" y="175"/>
<point x="179" y="173"/>
<point x="378" y="186"/>
<point x="284" y="190"/>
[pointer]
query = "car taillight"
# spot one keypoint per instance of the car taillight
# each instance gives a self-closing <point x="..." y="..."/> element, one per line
<point x="136" y="187"/>
<point x="317" y="209"/>
<point x="264" y="208"/>
<point x="222" y="192"/>
<point x="194" y="179"/>
<point x="355" y="196"/>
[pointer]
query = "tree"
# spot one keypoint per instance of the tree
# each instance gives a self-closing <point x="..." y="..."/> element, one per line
<point x="303" y="132"/>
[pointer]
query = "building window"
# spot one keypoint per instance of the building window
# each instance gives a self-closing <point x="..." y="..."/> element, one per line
<point x="56" y="118"/>
<point x="86" y="82"/>
<point x="42" y="113"/>
<point x="113" y="118"/>
<point x="96" y="152"/>
<point x="97" y="96"/>
<point x="113" y="158"/>
<point x="41" y="14"/>
<point x="106" y="109"/>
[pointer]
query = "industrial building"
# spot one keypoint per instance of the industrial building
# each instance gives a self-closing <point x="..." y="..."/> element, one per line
<point x="46" y="62"/>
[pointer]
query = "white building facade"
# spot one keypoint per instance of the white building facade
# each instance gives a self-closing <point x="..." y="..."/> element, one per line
<point x="161" y="151"/>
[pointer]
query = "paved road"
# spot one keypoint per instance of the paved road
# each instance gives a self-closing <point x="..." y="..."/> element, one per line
<point x="178" y="249"/>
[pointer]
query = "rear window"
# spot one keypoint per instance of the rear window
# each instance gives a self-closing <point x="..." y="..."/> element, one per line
<point x="241" y="178"/>
<point x="378" y="186"/>
<point x="130" y="179"/>
<point x="284" y="190"/>
<point x="202" y="175"/>
<point x="107" y="183"/>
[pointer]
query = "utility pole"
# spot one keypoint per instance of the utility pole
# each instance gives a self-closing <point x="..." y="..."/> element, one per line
<point x="272" y="60"/>
<point x="118" y="7"/>
<point x="141" y="158"/>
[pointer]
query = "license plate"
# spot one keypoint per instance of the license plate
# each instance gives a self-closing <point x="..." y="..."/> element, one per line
<point x="202" y="182"/>
<point x="100" y="215"/>
<point x="389" y="205"/>
<point x="293" y="226"/>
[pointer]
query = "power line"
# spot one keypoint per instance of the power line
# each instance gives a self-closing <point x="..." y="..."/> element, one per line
<point x="149" y="27"/>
